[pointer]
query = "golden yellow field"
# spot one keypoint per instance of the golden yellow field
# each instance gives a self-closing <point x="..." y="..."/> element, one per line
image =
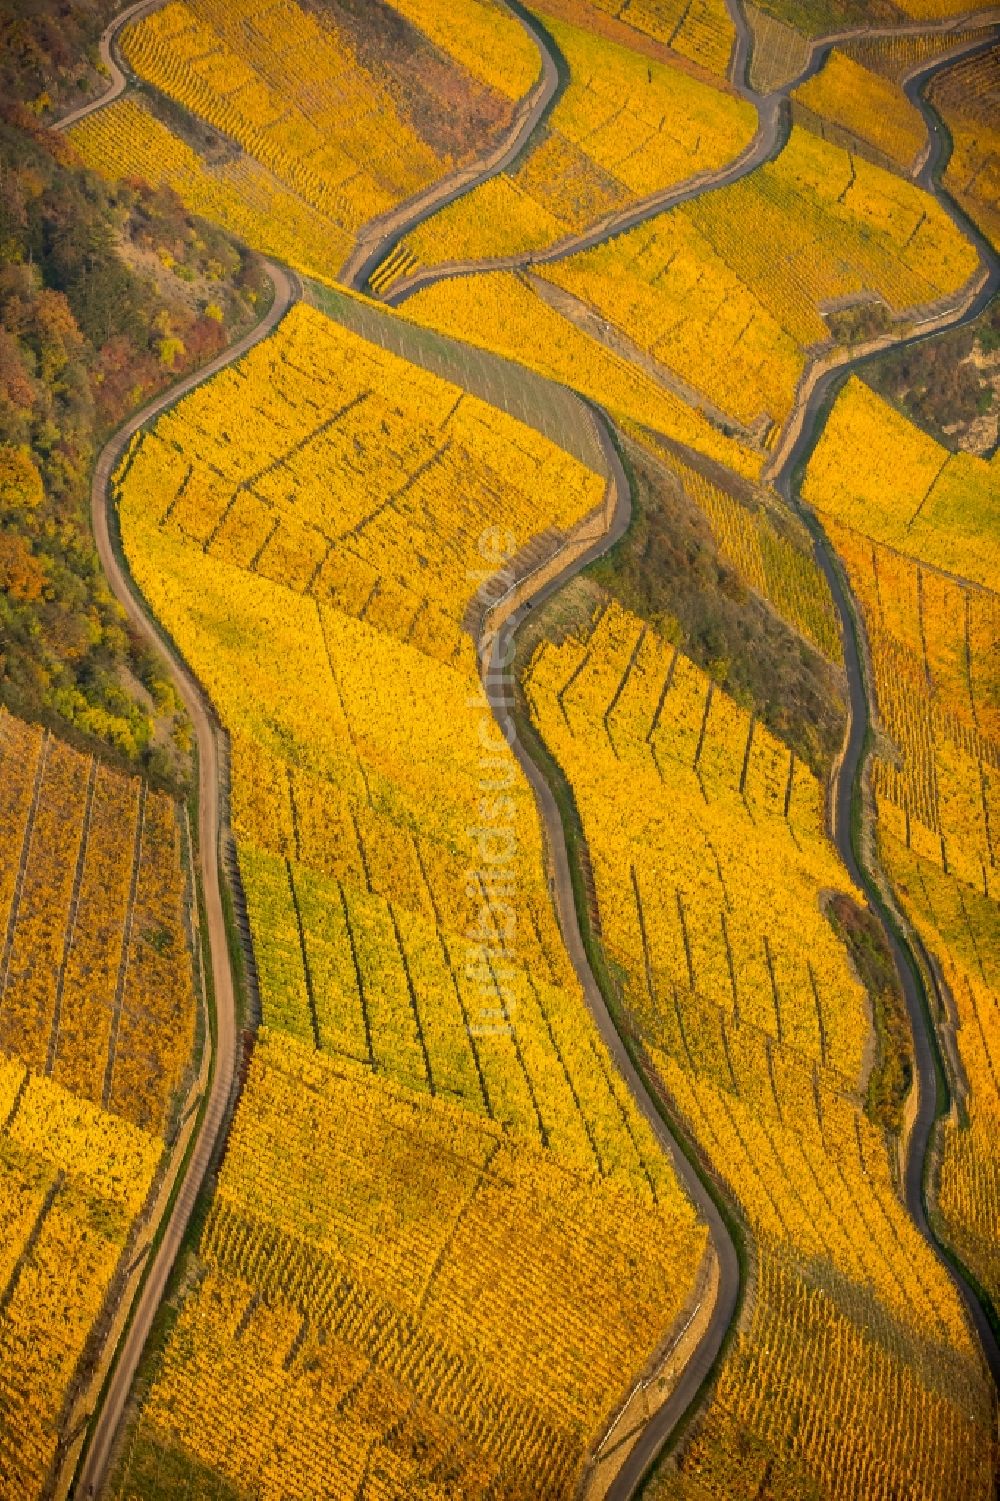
<point x="96" y="1034"/>
<point x="933" y="640"/>
<point x="503" y="313"/>
<point x="405" y="945"/>
<point x="876" y="473"/>
<point x="126" y="140"/>
<point x="596" y="154"/>
<point x="518" y="565"/>
<point x="726" y="292"/>
<point x="866" y="106"/>
<point x="313" y="135"/>
<point x="713" y="882"/>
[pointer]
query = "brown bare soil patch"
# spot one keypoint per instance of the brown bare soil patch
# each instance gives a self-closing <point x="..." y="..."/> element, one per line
<point x="456" y="115"/>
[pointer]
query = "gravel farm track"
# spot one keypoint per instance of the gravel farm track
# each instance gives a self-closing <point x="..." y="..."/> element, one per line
<point x="496" y="653"/>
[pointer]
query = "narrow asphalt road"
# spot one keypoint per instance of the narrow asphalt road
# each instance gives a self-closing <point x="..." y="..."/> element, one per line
<point x="771" y="129"/>
<point x="381" y="236"/>
<point x="101" y="1439"/>
<point x="770" y="136"/>
<point x="496" y="662"/>
<point x="496" y="654"/>
<point x="852" y="770"/>
<point x="106" y="50"/>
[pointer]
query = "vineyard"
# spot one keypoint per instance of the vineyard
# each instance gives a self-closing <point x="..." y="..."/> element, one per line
<point x="894" y="56"/>
<point x="126" y="140"/>
<point x="784" y="574"/>
<point x="72" y="1178"/>
<point x="481" y="36"/>
<point x="729" y="292"/>
<point x="503" y="1054"/>
<point x="904" y="489"/>
<point x="308" y="145"/>
<point x="596" y="156"/>
<point x="501" y="312"/>
<point x="779" y="53"/>
<point x="761" y="1037"/>
<point x="431" y="1321"/>
<point x="395" y="880"/>
<point x="933" y="641"/>
<point x="868" y="108"/>
<point x="95" y="984"/>
<point x="290" y="90"/>
<point x="96" y="1032"/>
<point x="701" y="31"/>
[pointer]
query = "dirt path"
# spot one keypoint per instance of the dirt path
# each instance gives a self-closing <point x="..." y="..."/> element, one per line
<point x="223" y="1045"/>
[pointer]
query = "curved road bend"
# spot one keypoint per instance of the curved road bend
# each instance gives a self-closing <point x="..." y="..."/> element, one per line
<point x="819" y="47"/>
<point x="382" y="235"/>
<point x="98" y="1449"/>
<point x="849" y="781"/>
<point x="768" y="140"/>
<point x="106" y="48"/>
<point x="496" y="652"/>
<point x="700" y="1363"/>
<point x="499" y="654"/>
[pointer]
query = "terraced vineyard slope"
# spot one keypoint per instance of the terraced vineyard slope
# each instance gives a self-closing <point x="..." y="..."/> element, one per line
<point x="968" y="99"/>
<point x="732" y="292"/>
<point x="97" y="1031"/>
<point x="457" y="1291"/>
<point x="722" y="909"/>
<point x="933" y="640"/>
<point x="582" y="855"/>
<point x="317" y="122"/>
<point x="629" y="123"/>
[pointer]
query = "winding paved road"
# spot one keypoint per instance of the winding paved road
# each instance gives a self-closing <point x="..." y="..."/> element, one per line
<point x="106" y="48"/>
<point x="770" y="136"/>
<point x="852" y="769"/>
<point x="495" y="665"/>
<point x="101" y="1438"/>
<point x="496" y="652"/>
<point x="772" y="127"/>
<point x="381" y="236"/>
